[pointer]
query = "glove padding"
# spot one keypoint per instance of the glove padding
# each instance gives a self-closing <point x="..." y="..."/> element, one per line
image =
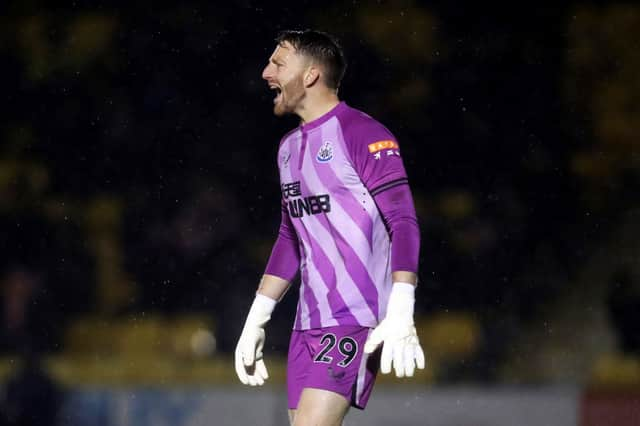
<point x="397" y="334"/>
<point x="249" y="363"/>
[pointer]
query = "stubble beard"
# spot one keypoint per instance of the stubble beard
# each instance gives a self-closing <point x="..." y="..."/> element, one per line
<point x="292" y="94"/>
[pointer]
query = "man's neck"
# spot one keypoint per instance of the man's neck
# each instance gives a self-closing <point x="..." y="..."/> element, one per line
<point x="316" y="108"/>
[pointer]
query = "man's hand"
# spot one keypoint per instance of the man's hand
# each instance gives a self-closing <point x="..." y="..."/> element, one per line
<point x="250" y="366"/>
<point x="397" y="333"/>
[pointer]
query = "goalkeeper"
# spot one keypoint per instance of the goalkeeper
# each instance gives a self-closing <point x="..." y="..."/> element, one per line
<point x="349" y="229"/>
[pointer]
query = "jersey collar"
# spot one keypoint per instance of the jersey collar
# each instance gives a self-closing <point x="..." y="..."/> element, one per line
<point x="324" y="118"/>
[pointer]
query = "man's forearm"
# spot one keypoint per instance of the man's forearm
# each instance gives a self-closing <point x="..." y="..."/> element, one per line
<point x="396" y="207"/>
<point x="404" y="277"/>
<point x="273" y="287"/>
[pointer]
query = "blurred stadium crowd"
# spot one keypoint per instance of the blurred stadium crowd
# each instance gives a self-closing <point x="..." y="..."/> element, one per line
<point x="138" y="178"/>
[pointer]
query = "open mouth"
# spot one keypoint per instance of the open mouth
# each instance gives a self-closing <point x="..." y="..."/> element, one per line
<point x="278" y="94"/>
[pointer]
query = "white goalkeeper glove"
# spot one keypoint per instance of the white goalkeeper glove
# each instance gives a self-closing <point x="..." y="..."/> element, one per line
<point x="397" y="334"/>
<point x="248" y="357"/>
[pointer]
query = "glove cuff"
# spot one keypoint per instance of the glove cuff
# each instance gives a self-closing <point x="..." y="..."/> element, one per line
<point x="261" y="309"/>
<point x="401" y="301"/>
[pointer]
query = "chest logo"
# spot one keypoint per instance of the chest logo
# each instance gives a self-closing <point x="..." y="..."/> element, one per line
<point x="325" y="153"/>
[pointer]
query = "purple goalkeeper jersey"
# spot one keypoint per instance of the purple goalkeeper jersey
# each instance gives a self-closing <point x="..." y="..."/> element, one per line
<point x="330" y="170"/>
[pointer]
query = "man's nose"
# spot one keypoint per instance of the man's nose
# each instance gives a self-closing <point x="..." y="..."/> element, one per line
<point x="267" y="72"/>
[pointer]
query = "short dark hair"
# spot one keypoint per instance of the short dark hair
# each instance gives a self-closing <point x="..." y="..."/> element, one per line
<point x="321" y="47"/>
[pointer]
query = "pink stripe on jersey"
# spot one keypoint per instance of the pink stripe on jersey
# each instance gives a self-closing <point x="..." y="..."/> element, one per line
<point x="305" y="319"/>
<point x="356" y="270"/>
<point x="347" y="259"/>
<point x="326" y="272"/>
<point x="318" y="229"/>
<point x="311" y="302"/>
<point x="340" y="223"/>
<point x="297" y="323"/>
<point x="319" y="310"/>
<point x="353" y="205"/>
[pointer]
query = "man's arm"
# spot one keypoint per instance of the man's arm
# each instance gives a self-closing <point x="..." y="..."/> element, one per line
<point x="404" y="277"/>
<point x="396" y="207"/>
<point x="273" y="287"/>
<point x="284" y="262"/>
<point x="383" y="174"/>
<point x="375" y="155"/>
<point x="281" y="269"/>
<point x="396" y="331"/>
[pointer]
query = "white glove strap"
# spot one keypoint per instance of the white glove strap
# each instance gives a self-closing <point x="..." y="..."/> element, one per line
<point x="260" y="312"/>
<point x="401" y="300"/>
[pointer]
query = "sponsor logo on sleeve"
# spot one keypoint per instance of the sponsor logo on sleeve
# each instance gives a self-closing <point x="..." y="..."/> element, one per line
<point x="380" y="145"/>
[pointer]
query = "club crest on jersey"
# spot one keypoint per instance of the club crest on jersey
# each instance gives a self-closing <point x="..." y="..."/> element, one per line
<point x="325" y="153"/>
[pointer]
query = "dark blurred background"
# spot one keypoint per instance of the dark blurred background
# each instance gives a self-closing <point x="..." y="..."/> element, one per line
<point x="138" y="176"/>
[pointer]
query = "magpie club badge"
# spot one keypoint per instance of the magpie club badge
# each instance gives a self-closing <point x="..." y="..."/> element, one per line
<point x="325" y="153"/>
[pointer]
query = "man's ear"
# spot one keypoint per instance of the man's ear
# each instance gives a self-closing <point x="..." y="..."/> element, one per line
<point x="311" y="76"/>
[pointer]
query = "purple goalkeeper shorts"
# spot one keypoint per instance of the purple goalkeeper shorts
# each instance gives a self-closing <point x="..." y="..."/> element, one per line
<point x="332" y="359"/>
